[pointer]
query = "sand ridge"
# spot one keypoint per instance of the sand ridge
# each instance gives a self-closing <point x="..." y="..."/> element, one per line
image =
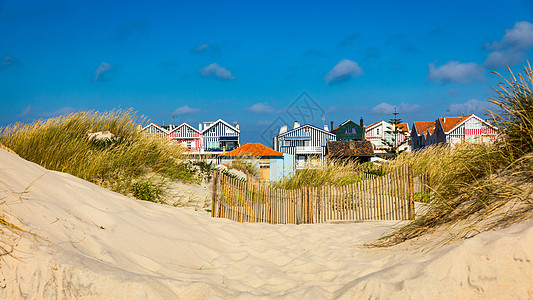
<point x="95" y="243"/>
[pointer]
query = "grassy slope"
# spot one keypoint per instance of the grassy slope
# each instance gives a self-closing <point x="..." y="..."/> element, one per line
<point x="480" y="187"/>
<point x="63" y="144"/>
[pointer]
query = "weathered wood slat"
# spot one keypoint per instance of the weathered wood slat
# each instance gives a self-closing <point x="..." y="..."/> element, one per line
<point x="388" y="197"/>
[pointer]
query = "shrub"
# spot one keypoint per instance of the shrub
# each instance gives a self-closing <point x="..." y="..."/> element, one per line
<point x="146" y="190"/>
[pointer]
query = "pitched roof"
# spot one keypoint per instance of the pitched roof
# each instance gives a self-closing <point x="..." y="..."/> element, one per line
<point x="187" y="125"/>
<point x="373" y="124"/>
<point x="155" y="125"/>
<point x="220" y="121"/>
<point x="403" y="126"/>
<point x="342" y="148"/>
<point x="252" y="149"/>
<point x="449" y="123"/>
<point x="305" y="125"/>
<point x="344" y="123"/>
<point x="423" y="127"/>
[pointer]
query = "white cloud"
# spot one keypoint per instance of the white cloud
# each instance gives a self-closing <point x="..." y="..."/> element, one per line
<point x="104" y="67"/>
<point x="262" y="108"/>
<point x="343" y="71"/>
<point x="185" y="110"/>
<point x="26" y="111"/>
<point x="513" y="47"/>
<point x="386" y="108"/>
<point x="454" y="71"/>
<point x="472" y="106"/>
<point x="206" y="49"/>
<point x="263" y="123"/>
<point x="214" y="70"/>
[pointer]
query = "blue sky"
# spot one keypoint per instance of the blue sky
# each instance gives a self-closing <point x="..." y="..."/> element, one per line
<point x="249" y="61"/>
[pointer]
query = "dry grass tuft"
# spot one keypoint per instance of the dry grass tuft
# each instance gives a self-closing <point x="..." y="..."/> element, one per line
<point x="64" y="144"/>
<point x="479" y="187"/>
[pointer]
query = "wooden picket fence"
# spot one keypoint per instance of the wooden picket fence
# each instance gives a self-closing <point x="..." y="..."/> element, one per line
<point x="388" y="197"/>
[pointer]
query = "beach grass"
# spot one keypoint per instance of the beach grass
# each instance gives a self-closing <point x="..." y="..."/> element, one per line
<point x="479" y="187"/>
<point x="328" y="171"/>
<point x="67" y="144"/>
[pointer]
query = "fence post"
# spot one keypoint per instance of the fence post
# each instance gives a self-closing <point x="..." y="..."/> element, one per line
<point x="307" y="209"/>
<point x="215" y="177"/>
<point x="411" y="193"/>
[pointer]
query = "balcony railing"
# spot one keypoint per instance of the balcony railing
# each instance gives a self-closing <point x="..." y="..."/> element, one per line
<point x="308" y="149"/>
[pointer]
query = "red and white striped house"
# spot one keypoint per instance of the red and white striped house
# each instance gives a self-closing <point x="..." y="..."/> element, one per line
<point x="186" y="135"/>
<point x="469" y="129"/>
<point x="455" y="130"/>
<point x="379" y="131"/>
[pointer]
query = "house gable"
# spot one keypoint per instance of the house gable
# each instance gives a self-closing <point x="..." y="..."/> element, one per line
<point x="349" y="130"/>
<point x="153" y="128"/>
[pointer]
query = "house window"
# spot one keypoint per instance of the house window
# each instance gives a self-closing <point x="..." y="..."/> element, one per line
<point x="189" y="130"/>
<point x="189" y="145"/>
<point x="213" y="145"/>
<point x="377" y="131"/>
<point x="306" y="129"/>
<point x="229" y="130"/>
<point x="348" y="129"/>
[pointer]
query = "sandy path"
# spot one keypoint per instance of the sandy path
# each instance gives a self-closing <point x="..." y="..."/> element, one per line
<point x="98" y="244"/>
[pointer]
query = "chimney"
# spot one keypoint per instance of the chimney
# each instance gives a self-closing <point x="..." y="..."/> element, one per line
<point x="331" y="125"/>
<point x="237" y="126"/>
<point x="283" y="129"/>
<point x="296" y="124"/>
<point x="361" y="122"/>
<point x="170" y="127"/>
<point x="326" y="127"/>
<point x="234" y="124"/>
<point x="200" y="126"/>
<point x="352" y="144"/>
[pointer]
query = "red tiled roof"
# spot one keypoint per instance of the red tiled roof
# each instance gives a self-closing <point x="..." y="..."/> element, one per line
<point x="448" y="123"/>
<point x="252" y="149"/>
<point x="403" y="126"/>
<point x="372" y="124"/>
<point x="423" y="127"/>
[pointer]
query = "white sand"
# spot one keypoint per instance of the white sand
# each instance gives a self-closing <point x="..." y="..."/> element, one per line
<point x="94" y="243"/>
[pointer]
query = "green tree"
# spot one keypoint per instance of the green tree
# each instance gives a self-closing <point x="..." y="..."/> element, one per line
<point x="393" y="146"/>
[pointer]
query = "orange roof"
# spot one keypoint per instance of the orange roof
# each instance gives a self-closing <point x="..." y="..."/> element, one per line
<point x="373" y="124"/>
<point x="423" y="127"/>
<point x="403" y="126"/>
<point x="449" y="123"/>
<point x="252" y="149"/>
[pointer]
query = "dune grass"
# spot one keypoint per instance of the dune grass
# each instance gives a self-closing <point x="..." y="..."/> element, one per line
<point x="328" y="171"/>
<point x="479" y="187"/>
<point x="118" y="163"/>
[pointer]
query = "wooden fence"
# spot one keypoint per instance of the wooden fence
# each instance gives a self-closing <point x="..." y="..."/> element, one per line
<point x="388" y="197"/>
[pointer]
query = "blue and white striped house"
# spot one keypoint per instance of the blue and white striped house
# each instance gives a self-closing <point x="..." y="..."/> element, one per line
<point x="219" y="135"/>
<point x="303" y="142"/>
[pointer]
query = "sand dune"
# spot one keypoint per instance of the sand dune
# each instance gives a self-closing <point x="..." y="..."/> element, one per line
<point x="88" y="242"/>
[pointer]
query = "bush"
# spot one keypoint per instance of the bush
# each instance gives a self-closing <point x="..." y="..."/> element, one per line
<point x="146" y="190"/>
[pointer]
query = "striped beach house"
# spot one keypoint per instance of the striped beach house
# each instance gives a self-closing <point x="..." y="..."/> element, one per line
<point x="154" y="129"/>
<point x="422" y="134"/>
<point x="464" y="129"/>
<point x="379" y="132"/>
<point x="219" y="136"/>
<point x="454" y="130"/>
<point x="304" y="142"/>
<point x="186" y="135"/>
